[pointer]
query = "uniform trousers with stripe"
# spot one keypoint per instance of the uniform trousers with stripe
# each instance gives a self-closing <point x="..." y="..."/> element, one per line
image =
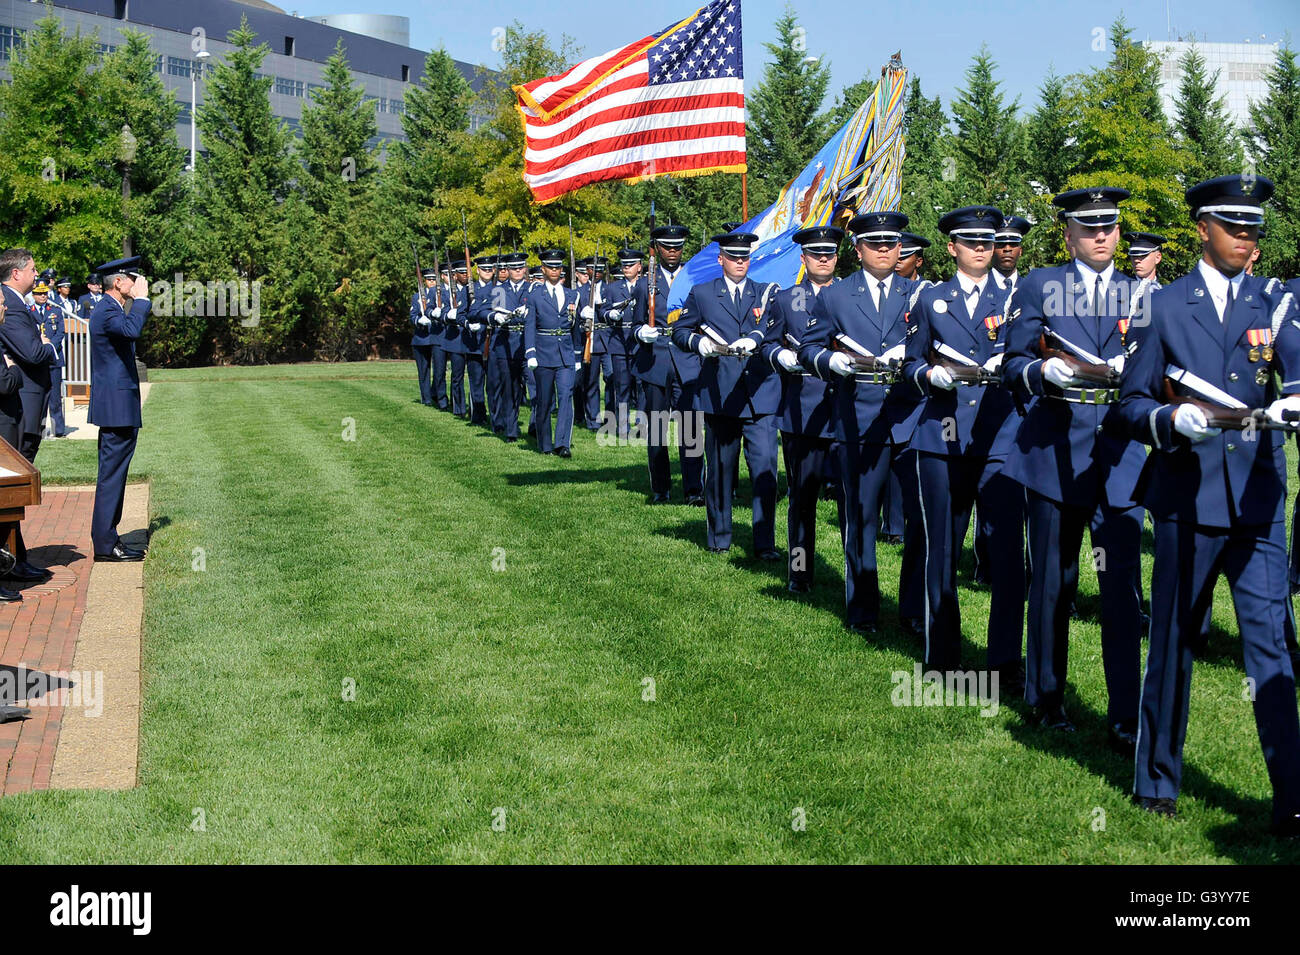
<point x="723" y="436"/>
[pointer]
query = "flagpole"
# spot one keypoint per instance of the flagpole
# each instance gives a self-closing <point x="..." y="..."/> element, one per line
<point x="744" y="197"/>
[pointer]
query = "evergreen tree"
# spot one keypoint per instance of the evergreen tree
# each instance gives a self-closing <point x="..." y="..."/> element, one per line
<point x="929" y="174"/>
<point x="1275" y="143"/>
<point x="989" y="141"/>
<point x="1204" y="128"/>
<point x="54" y="150"/>
<point x="847" y="103"/>
<point x="1053" y="152"/>
<point x="785" y="126"/>
<point x="246" y="192"/>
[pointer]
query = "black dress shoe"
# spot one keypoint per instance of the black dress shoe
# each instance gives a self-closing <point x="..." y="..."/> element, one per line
<point x="9" y="596"/>
<point x="661" y="499"/>
<point x="892" y="539"/>
<point x="1160" y="806"/>
<point x="913" y="626"/>
<point x="119" y="554"/>
<point x="563" y="453"/>
<point x="695" y="500"/>
<point x="768" y="555"/>
<point x="718" y="550"/>
<point x="8" y="712"/>
<point x="1053" y="718"/>
<point x="1123" y="738"/>
<point x="864" y="629"/>
<point x="25" y="573"/>
<point x="799" y="587"/>
<point x="511" y="440"/>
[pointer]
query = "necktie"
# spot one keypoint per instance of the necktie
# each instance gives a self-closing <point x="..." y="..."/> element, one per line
<point x="880" y="295"/>
<point x="1227" y="306"/>
<point x="1096" y="298"/>
<point x="736" y="298"/>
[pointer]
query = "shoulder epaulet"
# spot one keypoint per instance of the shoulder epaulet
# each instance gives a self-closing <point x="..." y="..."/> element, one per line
<point x="1279" y="313"/>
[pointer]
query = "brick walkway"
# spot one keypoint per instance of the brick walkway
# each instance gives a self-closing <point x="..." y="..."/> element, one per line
<point x="40" y="633"/>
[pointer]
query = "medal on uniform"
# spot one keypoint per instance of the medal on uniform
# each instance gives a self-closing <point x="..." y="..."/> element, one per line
<point x="1253" y="354"/>
<point x="1123" y="330"/>
<point x="992" y="323"/>
<point x="1268" y="353"/>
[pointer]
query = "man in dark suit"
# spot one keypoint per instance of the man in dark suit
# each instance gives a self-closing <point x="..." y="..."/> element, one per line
<point x="115" y="327"/>
<point x="1216" y="497"/>
<point x="1077" y="464"/>
<point x="961" y="441"/>
<point x="548" y="345"/>
<point x="25" y="342"/>
<point x="724" y="321"/>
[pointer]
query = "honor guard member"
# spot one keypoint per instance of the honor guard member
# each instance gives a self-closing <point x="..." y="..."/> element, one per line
<point x="618" y="309"/>
<point x="548" y="346"/>
<point x="481" y="311"/>
<point x="807" y="408"/>
<point x="911" y="255"/>
<point x="864" y="317"/>
<point x="962" y="440"/>
<point x="94" y="292"/>
<point x="1216" y="496"/>
<point x="668" y="378"/>
<point x="601" y="363"/>
<point x="586" y="314"/>
<point x="508" y="310"/>
<point x="24" y="341"/>
<point x="1145" y="253"/>
<point x="478" y="293"/>
<point x="452" y="315"/>
<point x="724" y="321"/>
<point x="59" y="311"/>
<point x="115" y="327"/>
<point x="424" y="336"/>
<point x="1076" y="461"/>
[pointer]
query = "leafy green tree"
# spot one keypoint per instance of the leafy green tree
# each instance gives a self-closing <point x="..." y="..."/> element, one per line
<point x="1124" y="140"/>
<point x="929" y="174"/>
<point x="989" y="140"/>
<point x="55" y="150"/>
<point x="847" y="103"/>
<point x="1205" y="129"/>
<point x="785" y="126"/>
<point x="1275" y="143"/>
<point x="1053" y="152"/>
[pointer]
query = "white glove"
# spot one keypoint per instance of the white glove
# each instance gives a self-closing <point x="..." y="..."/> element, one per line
<point x="588" y="313"/>
<point x="647" y="334"/>
<point x="475" y="327"/>
<point x="940" y="377"/>
<point x="706" y="348"/>
<point x="616" y="314"/>
<point x="500" y="319"/>
<point x="577" y="366"/>
<point x="532" y="363"/>
<point x="1289" y="403"/>
<point x="1117" y="363"/>
<point x="1058" y="373"/>
<point x="787" y="360"/>
<point x="437" y="312"/>
<point x="993" y="364"/>
<point x="1189" y="420"/>
<point x="424" y="321"/>
<point x="840" y="364"/>
<point x="896" y="353"/>
<point x="521" y="311"/>
<point x="743" y="344"/>
<point x="451" y="315"/>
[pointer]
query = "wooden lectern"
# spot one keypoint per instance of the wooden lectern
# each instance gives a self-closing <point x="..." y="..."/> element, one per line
<point x="20" y="487"/>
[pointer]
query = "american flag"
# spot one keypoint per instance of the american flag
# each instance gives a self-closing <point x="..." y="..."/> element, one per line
<point x="670" y="104"/>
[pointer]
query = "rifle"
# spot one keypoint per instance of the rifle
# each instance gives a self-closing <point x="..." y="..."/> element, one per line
<point x="864" y="362"/>
<point x="722" y="348"/>
<point x="487" y="339"/>
<point x="963" y="370"/>
<point x="654" y="271"/>
<point x="469" y="275"/>
<point x="591" y="322"/>
<point x="1228" y="418"/>
<point x="1083" y="365"/>
<point x="419" y="282"/>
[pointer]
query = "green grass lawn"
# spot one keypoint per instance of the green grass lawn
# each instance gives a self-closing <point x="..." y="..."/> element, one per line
<point x="520" y="688"/>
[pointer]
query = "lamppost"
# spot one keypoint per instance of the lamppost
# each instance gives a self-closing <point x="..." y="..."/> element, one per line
<point x="195" y="69"/>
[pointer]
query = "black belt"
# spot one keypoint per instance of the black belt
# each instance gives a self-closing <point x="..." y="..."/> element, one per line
<point x="875" y="377"/>
<point x="1090" y="396"/>
<point x="555" y="332"/>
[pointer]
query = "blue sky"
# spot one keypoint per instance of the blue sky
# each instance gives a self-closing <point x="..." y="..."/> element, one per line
<point x="937" y="39"/>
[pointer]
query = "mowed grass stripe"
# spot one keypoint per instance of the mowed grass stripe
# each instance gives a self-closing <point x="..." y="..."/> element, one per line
<point x="521" y="688"/>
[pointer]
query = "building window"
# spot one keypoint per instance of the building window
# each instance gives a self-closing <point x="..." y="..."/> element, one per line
<point x="288" y="46"/>
<point x="10" y="37"/>
<point x="177" y="66"/>
<point x="158" y="63"/>
<point x="406" y="73"/>
<point x="288" y="87"/>
<point x="396" y="106"/>
<point x="119" y="9"/>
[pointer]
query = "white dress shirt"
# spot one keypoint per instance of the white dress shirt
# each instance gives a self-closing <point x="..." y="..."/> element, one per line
<point x="1217" y="284"/>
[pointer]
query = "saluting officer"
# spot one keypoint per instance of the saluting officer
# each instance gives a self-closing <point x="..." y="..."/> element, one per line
<point x="865" y="315"/>
<point x="738" y="391"/>
<point x="1216" y="497"/>
<point x="424" y="338"/>
<point x="548" y="345"/>
<point x="668" y="377"/>
<point x="962" y="440"/>
<point x="807" y="409"/>
<point x="1076" y="461"/>
<point x="509" y="306"/>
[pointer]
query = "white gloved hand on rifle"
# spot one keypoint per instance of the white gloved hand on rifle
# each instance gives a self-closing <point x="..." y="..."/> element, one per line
<point x="706" y="347"/>
<point x="451" y="315"/>
<point x="588" y="312"/>
<point x="994" y="364"/>
<point x="895" y="354"/>
<point x="424" y="321"/>
<point x="1190" y="421"/>
<point x="940" y="377"/>
<point x="647" y="334"/>
<point x="1056" y="371"/>
<point x="532" y="363"/>
<point x="1277" y="408"/>
<point x="437" y="312"/>
<point x="840" y="364"/>
<point x="475" y="327"/>
<point x="1117" y="364"/>
<point x="577" y="366"/>
<point x="788" y="360"/>
<point x="745" y="345"/>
